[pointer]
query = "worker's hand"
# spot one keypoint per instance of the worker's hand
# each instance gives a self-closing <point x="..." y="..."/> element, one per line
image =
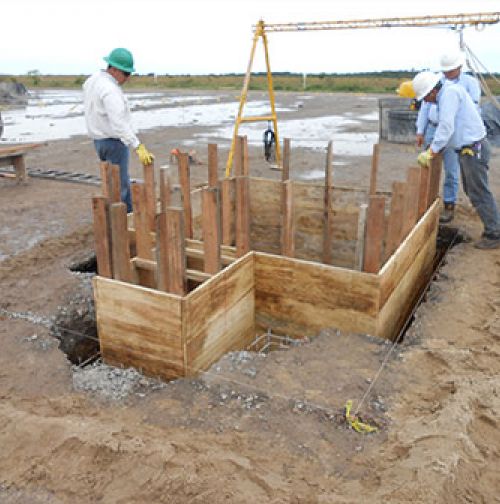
<point x="145" y="157"/>
<point x="425" y="157"/>
<point x="420" y="140"/>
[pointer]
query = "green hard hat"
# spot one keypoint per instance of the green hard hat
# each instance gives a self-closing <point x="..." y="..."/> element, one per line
<point x="122" y="59"/>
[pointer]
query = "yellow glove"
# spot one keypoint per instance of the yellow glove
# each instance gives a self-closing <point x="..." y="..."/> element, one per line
<point x="425" y="157"/>
<point x="467" y="151"/>
<point x="145" y="156"/>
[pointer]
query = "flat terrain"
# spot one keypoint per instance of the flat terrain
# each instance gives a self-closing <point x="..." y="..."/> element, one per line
<point x="266" y="429"/>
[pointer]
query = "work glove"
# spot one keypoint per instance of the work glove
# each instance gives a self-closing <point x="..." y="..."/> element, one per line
<point x="145" y="157"/>
<point x="425" y="157"/>
<point x="467" y="151"/>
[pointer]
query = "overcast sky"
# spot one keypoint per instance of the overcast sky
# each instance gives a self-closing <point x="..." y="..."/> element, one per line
<point x="214" y="36"/>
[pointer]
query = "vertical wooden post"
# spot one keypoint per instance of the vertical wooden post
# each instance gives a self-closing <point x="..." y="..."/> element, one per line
<point x="185" y="183"/>
<point x="120" y="245"/>
<point x="375" y="225"/>
<point x="285" y="174"/>
<point x="423" y="196"/>
<point x="162" y="245"/>
<point x="150" y="194"/>
<point x="211" y="229"/>
<point x="115" y="183"/>
<point x="19" y="168"/>
<point x="105" y="180"/>
<point x="288" y="235"/>
<point x="143" y="240"/>
<point x="410" y="214"/>
<point x="227" y="185"/>
<point x="395" y="222"/>
<point x="212" y="165"/>
<point x="360" y="243"/>
<point x="373" y="175"/>
<point x="327" y="208"/>
<point x="435" y="178"/>
<point x="242" y="216"/>
<point x="102" y="236"/>
<point x="176" y="257"/>
<point x="164" y="189"/>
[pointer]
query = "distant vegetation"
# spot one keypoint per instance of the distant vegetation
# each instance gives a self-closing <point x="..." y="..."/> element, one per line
<point x="373" y="82"/>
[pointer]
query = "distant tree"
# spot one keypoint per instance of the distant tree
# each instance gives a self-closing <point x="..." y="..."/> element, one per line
<point x="35" y="75"/>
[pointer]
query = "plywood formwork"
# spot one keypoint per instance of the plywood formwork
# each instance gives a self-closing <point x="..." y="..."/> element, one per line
<point x="297" y="278"/>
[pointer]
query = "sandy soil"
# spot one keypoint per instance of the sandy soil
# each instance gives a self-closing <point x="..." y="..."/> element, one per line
<point x="254" y="428"/>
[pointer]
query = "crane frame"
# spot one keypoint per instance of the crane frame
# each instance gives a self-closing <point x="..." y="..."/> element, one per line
<point x="457" y="21"/>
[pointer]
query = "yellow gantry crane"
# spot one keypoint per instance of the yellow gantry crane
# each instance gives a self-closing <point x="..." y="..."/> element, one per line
<point x="456" y="21"/>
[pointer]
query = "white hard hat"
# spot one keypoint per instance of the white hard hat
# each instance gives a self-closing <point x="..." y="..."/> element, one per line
<point x="424" y="83"/>
<point x="451" y="60"/>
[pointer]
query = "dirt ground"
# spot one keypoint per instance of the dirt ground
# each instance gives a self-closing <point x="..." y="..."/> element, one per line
<point x="255" y="428"/>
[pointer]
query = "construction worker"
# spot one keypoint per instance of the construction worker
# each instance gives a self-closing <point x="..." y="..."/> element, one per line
<point x="461" y="128"/>
<point x="108" y="118"/>
<point x="427" y="120"/>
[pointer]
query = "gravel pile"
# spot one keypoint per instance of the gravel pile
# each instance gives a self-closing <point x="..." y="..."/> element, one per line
<point x="112" y="383"/>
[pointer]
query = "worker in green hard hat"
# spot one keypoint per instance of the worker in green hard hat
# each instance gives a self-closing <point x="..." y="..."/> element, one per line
<point x="108" y="117"/>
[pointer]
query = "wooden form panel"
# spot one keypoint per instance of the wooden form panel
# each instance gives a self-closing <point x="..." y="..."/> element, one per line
<point x="308" y="297"/>
<point x="140" y="327"/>
<point x="395" y="268"/>
<point x="220" y="315"/>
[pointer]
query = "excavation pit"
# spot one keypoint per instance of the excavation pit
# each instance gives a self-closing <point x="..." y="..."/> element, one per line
<point x="298" y="258"/>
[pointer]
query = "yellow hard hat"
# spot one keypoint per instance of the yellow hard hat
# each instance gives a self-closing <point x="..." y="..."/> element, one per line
<point x="405" y="89"/>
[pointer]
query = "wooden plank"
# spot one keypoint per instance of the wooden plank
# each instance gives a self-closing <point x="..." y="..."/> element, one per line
<point x="395" y="221"/>
<point x="140" y="327"/>
<point x="143" y="239"/>
<point x="435" y="178"/>
<point x="220" y="315"/>
<point x="327" y="216"/>
<point x="165" y="198"/>
<point x="19" y="149"/>
<point x="227" y="189"/>
<point x="394" y="269"/>
<point x="184" y="181"/>
<point x="211" y="230"/>
<point x="242" y="216"/>
<point x="423" y="196"/>
<point x="115" y="184"/>
<point x="399" y="305"/>
<point x="105" y="180"/>
<point x="213" y="165"/>
<point x="176" y="257"/>
<point x="360" y="242"/>
<point x="120" y="249"/>
<point x="285" y="173"/>
<point x="410" y="214"/>
<point x="374" y="170"/>
<point x="149" y="194"/>
<point x="152" y="266"/>
<point x="288" y="244"/>
<point x="102" y="236"/>
<point x="162" y="243"/>
<point x="308" y="297"/>
<point x="375" y="226"/>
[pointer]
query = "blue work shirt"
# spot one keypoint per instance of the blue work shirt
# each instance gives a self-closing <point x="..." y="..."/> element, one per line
<point x="459" y="120"/>
<point x="428" y="111"/>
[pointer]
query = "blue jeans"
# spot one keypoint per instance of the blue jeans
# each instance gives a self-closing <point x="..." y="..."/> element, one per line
<point x="474" y="171"/>
<point x="116" y="152"/>
<point x="451" y="167"/>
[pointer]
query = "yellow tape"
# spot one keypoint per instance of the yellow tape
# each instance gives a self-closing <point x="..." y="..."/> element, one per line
<point x="355" y="423"/>
<point x="467" y="151"/>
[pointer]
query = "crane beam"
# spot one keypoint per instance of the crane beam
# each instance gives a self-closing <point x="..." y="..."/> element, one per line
<point x="396" y="22"/>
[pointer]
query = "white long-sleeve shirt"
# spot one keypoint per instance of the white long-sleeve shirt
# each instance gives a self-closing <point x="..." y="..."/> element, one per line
<point x="107" y="112"/>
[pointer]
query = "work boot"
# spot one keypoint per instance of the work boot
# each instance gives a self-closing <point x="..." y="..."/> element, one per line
<point x="448" y="213"/>
<point x="488" y="241"/>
